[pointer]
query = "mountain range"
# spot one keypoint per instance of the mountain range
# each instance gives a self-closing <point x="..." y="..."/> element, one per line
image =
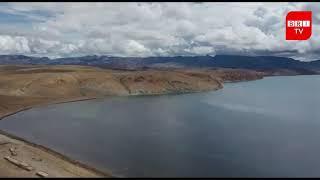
<point x="261" y="63"/>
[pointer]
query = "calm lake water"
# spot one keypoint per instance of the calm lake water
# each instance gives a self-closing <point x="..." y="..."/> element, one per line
<point x="264" y="128"/>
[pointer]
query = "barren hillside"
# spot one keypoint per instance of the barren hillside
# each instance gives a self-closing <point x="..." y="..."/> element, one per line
<point x="25" y="86"/>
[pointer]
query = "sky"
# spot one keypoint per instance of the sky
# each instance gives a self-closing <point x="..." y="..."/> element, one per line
<point x="153" y="29"/>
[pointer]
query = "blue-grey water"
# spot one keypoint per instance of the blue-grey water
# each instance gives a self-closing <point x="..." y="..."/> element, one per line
<point x="263" y="128"/>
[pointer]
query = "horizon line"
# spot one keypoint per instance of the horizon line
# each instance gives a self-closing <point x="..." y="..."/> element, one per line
<point x="79" y="56"/>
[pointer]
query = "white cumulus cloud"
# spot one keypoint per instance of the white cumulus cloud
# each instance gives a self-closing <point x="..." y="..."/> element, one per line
<point x="153" y="29"/>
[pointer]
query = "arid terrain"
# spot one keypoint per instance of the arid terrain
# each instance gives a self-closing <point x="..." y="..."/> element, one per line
<point x="27" y="86"/>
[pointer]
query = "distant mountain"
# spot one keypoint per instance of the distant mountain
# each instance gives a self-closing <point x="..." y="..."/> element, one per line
<point x="21" y="59"/>
<point x="222" y="61"/>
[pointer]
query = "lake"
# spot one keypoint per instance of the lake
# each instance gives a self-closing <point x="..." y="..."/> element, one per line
<point x="263" y="128"/>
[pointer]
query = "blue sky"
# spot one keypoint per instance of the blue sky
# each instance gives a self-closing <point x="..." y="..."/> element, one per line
<point x="153" y="29"/>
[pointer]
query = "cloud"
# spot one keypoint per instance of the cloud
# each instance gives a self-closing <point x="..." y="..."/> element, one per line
<point x="14" y="45"/>
<point x="154" y="29"/>
<point x="202" y="50"/>
<point x="135" y="48"/>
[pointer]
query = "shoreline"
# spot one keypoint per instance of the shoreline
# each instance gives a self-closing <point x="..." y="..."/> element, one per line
<point x="54" y="102"/>
<point x="45" y="104"/>
<point x="66" y="158"/>
<point x="60" y="155"/>
<point x="49" y="150"/>
<point x="57" y="154"/>
<point x="210" y="84"/>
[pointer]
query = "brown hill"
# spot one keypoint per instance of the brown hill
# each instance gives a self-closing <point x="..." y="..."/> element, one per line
<point x="25" y="86"/>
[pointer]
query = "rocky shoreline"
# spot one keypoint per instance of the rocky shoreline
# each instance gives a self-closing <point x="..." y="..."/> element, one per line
<point x="93" y="172"/>
<point x="26" y="87"/>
